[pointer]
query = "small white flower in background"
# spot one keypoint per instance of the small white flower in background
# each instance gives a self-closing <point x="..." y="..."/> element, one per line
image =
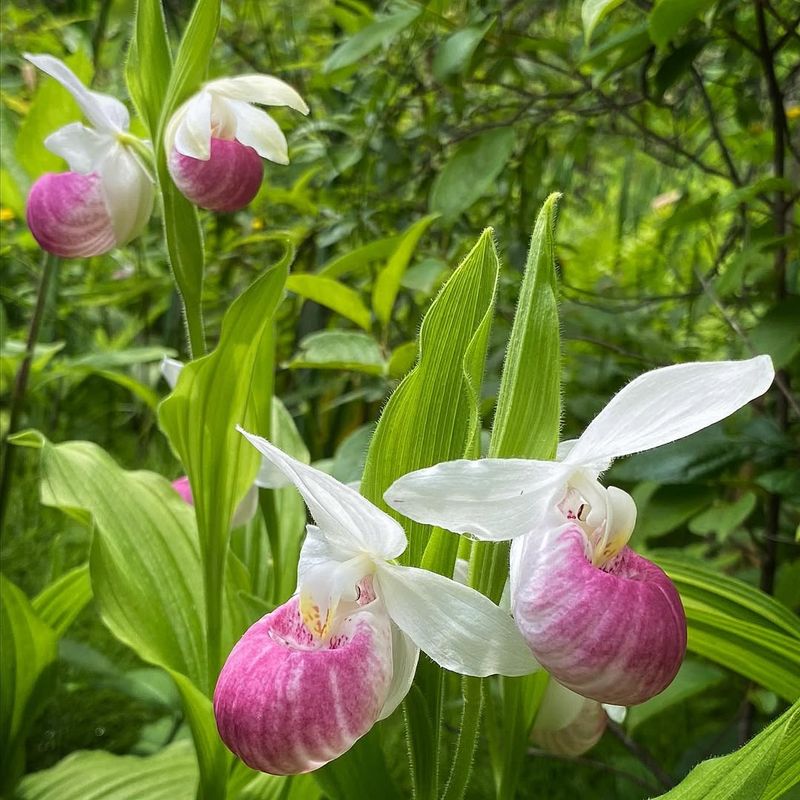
<point x="306" y="681"/>
<point x="106" y="198"/>
<point x="215" y="141"/>
<point x="604" y="621"/>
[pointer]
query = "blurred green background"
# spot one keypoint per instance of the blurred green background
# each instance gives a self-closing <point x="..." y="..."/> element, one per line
<point x="673" y="132"/>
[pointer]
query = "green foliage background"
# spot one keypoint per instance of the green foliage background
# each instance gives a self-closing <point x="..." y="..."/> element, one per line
<point x="672" y="131"/>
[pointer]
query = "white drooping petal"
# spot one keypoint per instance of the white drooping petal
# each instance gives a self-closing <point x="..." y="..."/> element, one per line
<point x="459" y="628"/>
<point x="560" y="707"/>
<point x="615" y="713"/>
<point x="171" y="370"/>
<point x="103" y="111"/>
<point x="346" y="518"/>
<point x="265" y="90"/>
<point x="493" y="499"/>
<point x="405" y="655"/>
<point x="255" y="128"/>
<point x="81" y="147"/>
<point x="667" y="404"/>
<point x="192" y="133"/>
<point x="129" y="190"/>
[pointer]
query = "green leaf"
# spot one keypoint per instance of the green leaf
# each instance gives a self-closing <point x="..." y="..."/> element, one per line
<point x="778" y="332"/>
<point x="333" y="295"/>
<point x="723" y="518"/>
<point x="664" y="508"/>
<point x="60" y="602"/>
<point x="98" y="775"/>
<point x="388" y="281"/>
<point x="147" y="574"/>
<point x="668" y="17"/>
<point x="454" y="54"/>
<point x="359" y="259"/>
<point x="444" y="385"/>
<point x="471" y="171"/>
<point x="737" y="626"/>
<point x="526" y="423"/>
<point x="340" y="350"/>
<point x="149" y="65"/>
<point x="593" y="12"/>
<point x="765" y="768"/>
<point x="27" y="653"/>
<point x="370" y="38"/>
<point x="213" y="395"/>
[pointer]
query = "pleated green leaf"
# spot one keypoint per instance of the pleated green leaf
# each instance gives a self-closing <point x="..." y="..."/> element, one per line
<point x="526" y="423"/>
<point x="97" y="775"/>
<point x="60" y="602"/>
<point x="27" y="653"/>
<point x="765" y="768"/>
<point x="433" y="414"/>
<point x="738" y="626"/>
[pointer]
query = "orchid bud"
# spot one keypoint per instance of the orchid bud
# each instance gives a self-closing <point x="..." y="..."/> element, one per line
<point x="245" y="511"/>
<point x="215" y="141"/>
<point x="287" y="702"/>
<point x="616" y="634"/>
<point x="106" y="198"/>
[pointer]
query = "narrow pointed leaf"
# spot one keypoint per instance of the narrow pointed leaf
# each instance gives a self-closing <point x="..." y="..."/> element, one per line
<point x="333" y="295"/>
<point x="59" y="603"/>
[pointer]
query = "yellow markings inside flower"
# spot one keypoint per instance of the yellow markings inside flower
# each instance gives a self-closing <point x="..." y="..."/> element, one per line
<point x="311" y="615"/>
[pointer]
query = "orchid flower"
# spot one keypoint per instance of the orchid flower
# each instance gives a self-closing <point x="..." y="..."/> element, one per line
<point x="604" y="621"/>
<point x="215" y="141"/>
<point x="106" y="198"/>
<point x="306" y="681"/>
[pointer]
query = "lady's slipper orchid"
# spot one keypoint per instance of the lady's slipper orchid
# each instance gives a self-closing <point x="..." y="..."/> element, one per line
<point x="215" y="141"/>
<point x="306" y="681"/>
<point x="107" y="197"/>
<point x="604" y="621"/>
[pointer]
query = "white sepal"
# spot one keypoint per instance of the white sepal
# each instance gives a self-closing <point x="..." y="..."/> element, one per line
<point x="129" y="191"/>
<point x="348" y="520"/>
<point x="81" y="147"/>
<point x="492" y="499"/>
<point x="265" y="90"/>
<point x="459" y="628"/>
<point x="317" y="551"/>
<point x="192" y="134"/>
<point x="171" y="370"/>
<point x="103" y="111"/>
<point x="405" y="655"/>
<point x="560" y="707"/>
<point x="667" y="404"/>
<point x="255" y="128"/>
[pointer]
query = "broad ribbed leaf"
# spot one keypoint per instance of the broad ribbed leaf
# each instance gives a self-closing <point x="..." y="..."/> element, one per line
<point x="60" y="602"/>
<point x="340" y="350"/>
<point x="765" y="768"/>
<point x="98" y="775"/>
<point x="526" y="423"/>
<point x="27" y="652"/>
<point x="738" y="626"/>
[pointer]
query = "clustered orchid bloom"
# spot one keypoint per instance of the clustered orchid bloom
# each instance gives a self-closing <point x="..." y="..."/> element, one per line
<point x="215" y="141"/>
<point x="310" y="678"/>
<point x="604" y="621"/>
<point x="106" y="198"/>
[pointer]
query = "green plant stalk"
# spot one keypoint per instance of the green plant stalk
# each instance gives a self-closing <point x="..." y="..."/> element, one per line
<point x="467" y="739"/>
<point x="49" y="264"/>
<point x="195" y="330"/>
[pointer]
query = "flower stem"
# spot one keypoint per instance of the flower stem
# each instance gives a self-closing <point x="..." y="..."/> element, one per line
<point x="467" y="739"/>
<point x="194" y="329"/>
<point x="49" y="265"/>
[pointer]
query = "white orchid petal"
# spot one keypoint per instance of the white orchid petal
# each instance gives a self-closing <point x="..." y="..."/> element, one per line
<point x="84" y="149"/>
<point x="130" y="192"/>
<point x="493" y="499"/>
<point x="346" y="518"/>
<point x="171" y="370"/>
<point x="459" y="628"/>
<point x="560" y="707"/>
<point x="615" y="713"/>
<point x="317" y="551"/>
<point x="102" y="110"/>
<point x="405" y="655"/>
<point x="265" y="90"/>
<point x="565" y="448"/>
<point x="192" y="135"/>
<point x="258" y="130"/>
<point x="669" y="403"/>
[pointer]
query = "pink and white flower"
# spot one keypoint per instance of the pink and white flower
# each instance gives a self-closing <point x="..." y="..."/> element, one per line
<point x="215" y="141"/>
<point x="306" y="681"/>
<point x="106" y="198"/>
<point x="604" y="621"/>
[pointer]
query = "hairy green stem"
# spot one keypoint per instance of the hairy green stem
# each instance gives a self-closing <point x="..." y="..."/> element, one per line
<point x="17" y="403"/>
<point x="194" y="328"/>
<point x="467" y="739"/>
